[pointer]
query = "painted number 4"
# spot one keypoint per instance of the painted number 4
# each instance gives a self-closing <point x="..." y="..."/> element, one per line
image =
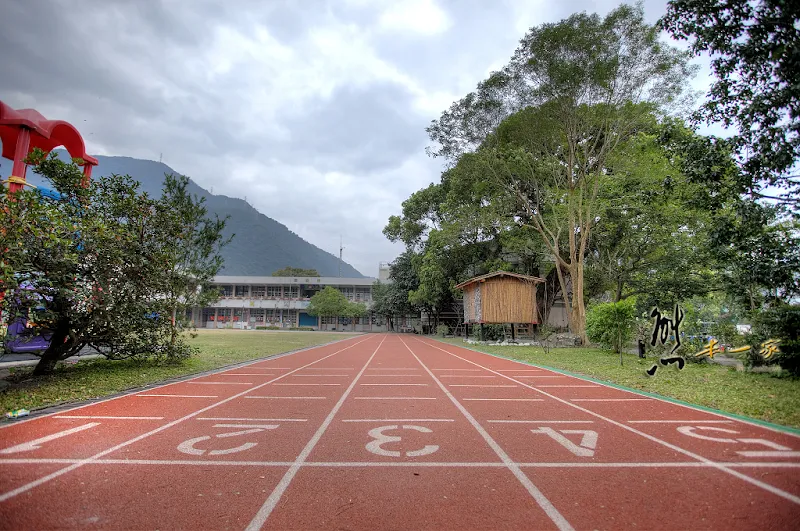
<point x="584" y="449"/>
<point x="380" y="439"/>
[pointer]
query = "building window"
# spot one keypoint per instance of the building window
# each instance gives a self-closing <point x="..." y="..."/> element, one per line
<point x="241" y="291"/>
<point x="257" y="314"/>
<point x="258" y="291"/>
<point x="273" y="292"/>
<point x="226" y="291"/>
<point x="291" y="292"/>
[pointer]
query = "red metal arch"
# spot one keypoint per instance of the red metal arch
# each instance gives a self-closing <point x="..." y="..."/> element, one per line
<point x="21" y="130"/>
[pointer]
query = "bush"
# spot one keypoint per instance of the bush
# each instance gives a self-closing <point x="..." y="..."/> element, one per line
<point x="612" y="323"/>
<point x="442" y="330"/>
<point x="783" y="323"/>
<point x="491" y="332"/>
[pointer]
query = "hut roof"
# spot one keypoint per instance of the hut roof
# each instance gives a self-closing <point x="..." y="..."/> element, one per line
<point x="524" y="278"/>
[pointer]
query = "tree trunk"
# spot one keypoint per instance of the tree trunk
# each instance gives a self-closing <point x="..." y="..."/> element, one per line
<point x="578" y="323"/>
<point x="53" y="353"/>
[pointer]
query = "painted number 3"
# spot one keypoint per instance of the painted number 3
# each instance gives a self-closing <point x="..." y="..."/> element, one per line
<point x="380" y="439"/>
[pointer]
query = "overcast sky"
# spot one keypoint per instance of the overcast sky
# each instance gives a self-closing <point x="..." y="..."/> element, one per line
<point x="313" y="110"/>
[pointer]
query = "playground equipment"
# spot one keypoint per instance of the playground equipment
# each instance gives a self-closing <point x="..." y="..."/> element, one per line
<point x="21" y="131"/>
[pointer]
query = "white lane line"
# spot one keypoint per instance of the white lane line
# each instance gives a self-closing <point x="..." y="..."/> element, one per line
<point x="534" y="376"/>
<point x="321" y="375"/>
<point x="390" y="464"/>
<point x="463" y="376"/>
<point x="393" y="398"/>
<point x="468" y="370"/>
<point x="291" y="397"/>
<point x="262" y="426"/>
<point x="381" y="384"/>
<point x="269" y="368"/>
<point x="394" y="369"/>
<point x="537" y="495"/>
<point x="565" y="386"/>
<point x="109" y="417"/>
<point x="608" y="399"/>
<point x="307" y="384"/>
<point x="399" y="420"/>
<point x="541" y="421"/>
<point x="717" y="465"/>
<point x="391" y="375"/>
<point x="35" y="444"/>
<point x="331" y="369"/>
<point x="219" y="383"/>
<point x="252" y="419"/>
<point x="270" y="503"/>
<point x="42" y="480"/>
<point x="506" y="399"/>
<point x="478" y="385"/>
<point x="247" y="374"/>
<point x="182" y="396"/>
<point x="696" y="421"/>
<point x="520" y="370"/>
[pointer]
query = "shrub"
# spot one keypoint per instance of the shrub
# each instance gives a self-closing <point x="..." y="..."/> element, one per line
<point x="783" y="323"/>
<point x="442" y="330"/>
<point x="491" y="332"/>
<point x="612" y="323"/>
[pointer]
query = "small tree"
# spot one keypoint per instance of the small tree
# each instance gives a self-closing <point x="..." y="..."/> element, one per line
<point x="612" y="324"/>
<point x="295" y="272"/>
<point x="104" y="265"/>
<point x="330" y="302"/>
<point x="355" y="310"/>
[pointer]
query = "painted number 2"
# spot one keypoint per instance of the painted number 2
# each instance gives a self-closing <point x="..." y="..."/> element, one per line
<point x="380" y="439"/>
<point x="188" y="447"/>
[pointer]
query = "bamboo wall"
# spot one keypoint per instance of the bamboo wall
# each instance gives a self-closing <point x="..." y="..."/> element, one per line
<point x="508" y="300"/>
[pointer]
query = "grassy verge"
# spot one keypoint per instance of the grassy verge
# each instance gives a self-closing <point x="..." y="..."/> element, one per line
<point x="761" y="396"/>
<point x="96" y="378"/>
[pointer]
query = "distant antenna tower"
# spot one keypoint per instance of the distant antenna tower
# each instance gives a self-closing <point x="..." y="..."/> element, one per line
<point x="340" y="255"/>
<point x="159" y="157"/>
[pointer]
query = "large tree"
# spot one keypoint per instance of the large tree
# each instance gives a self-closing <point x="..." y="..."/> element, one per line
<point x="755" y="55"/>
<point x="586" y="85"/>
<point x="105" y="265"/>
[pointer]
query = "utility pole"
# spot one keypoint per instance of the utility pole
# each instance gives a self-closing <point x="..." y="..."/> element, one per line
<point x="340" y="255"/>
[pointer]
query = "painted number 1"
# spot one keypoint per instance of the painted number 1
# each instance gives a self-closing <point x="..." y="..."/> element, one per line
<point x="380" y="439"/>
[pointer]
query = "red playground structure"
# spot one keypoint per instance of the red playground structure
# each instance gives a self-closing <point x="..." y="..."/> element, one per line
<point x="22" y="130"/>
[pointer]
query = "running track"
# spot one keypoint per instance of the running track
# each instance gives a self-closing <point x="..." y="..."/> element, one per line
<point x="394" y="432"/>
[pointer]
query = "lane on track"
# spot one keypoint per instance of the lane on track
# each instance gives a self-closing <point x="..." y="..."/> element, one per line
<point x="773" y="481"/>
<point x="78" y="492"/>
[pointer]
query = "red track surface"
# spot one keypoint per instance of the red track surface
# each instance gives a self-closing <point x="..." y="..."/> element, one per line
<point x="394" y="432"/>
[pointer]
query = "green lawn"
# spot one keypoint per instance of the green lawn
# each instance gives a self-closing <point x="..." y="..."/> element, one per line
<point x="756" y="395"/>
<point x="97" y="378"/>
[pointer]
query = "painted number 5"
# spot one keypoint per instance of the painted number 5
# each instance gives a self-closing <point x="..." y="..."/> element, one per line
<point x="380" y="439"/>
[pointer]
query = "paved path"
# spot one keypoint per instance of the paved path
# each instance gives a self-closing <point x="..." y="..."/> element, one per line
<point x="394" y="432"/>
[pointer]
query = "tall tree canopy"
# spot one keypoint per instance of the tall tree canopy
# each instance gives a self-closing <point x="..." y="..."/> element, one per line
<point x="755" y="56"/>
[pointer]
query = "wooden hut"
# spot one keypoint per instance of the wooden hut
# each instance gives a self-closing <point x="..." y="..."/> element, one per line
<point x="500" y="298"/>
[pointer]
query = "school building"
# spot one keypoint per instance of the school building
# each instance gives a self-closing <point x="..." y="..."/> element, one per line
<point x="250" y="301"/>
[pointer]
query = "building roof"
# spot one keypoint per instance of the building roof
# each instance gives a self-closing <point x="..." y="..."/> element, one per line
<point x="523" y="278"/>
<point x="272" y="281"/>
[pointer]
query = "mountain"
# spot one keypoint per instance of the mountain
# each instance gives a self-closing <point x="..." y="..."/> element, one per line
<point x="261" y="245"/>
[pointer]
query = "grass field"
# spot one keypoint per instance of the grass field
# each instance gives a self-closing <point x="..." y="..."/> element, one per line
<point x="756" y="395"/>
<point x="97" y="378"/>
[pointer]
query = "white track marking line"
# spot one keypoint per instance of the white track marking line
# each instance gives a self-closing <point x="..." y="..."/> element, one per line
<point x="393" y="398"/>
<point x="262" y="426"/>
<point x="541" y="421"/>
<point x="331" y="369"/>
<point x="392" y="375"/>
<point x="307" y="384"/>
<point x="717" y="465"/>
<point x="537" y="495"/>
<point x="270" y="503"/>
<point x="532" y="375"/>
<point x="419" y="384"/>
<point x="463" y="376"/>
<point x="398" y="420"/>
<point x="291" y="397"/>
<point x="478" y="385"/>
<point x="519" y="370"/>
<point x="357" y="464"/>
<point x="250" y="366"/>
<point x="608" y="399"/>
<point x="505" y="399"/>
<point x="321" y="375"/>
<point x="469" y="370"/>
<point x="104" y="417"/>
<point x="35" y="444"/>
<point x="57" y="473"/>
<point x="565" y="386"/>
<point x="220" y="383"/>
<point x="696" y="421"/>
<point x="394" y="369"/>
<point x="180" y="396"/>
<point x="251" y="419"/>
<point x="246" y="374"/>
